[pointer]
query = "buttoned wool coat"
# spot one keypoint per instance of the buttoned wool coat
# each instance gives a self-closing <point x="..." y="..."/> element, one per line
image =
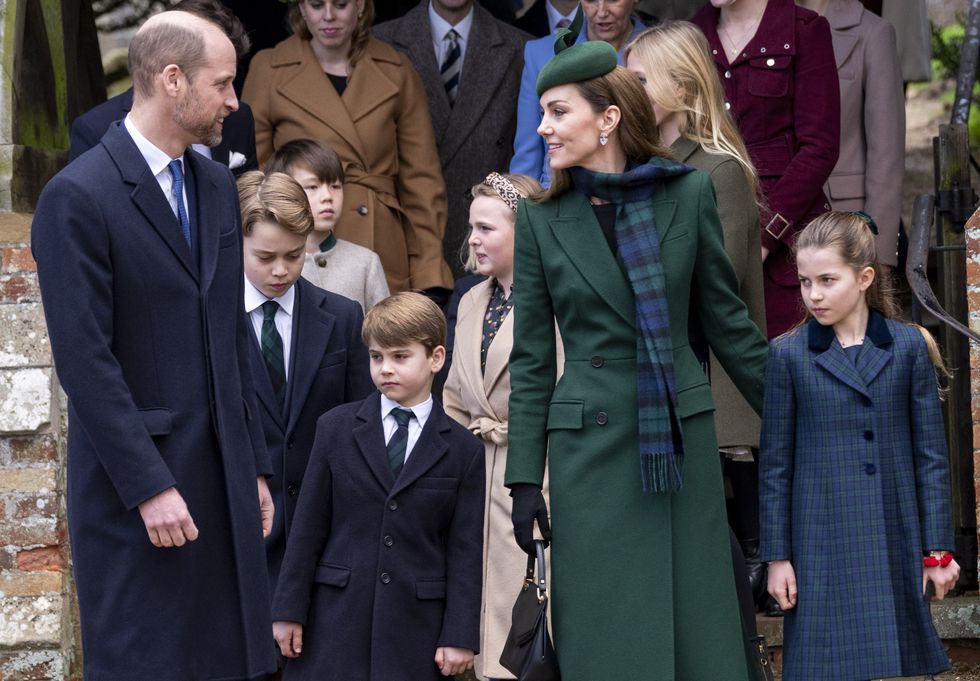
<point x="736" y="423"/>
<point x="475" y="135"/>
<point x="394" y="195"/>
<point x="151" y="346"/>
<point x="478" y="401"/>
<point x="871" y="167"/>
<point x="783" y="94"/>
<point x="328" y="366"/>
<point x="854" y="486"/>
<point x="380" y="572"/>
<point x="642" y="584"/>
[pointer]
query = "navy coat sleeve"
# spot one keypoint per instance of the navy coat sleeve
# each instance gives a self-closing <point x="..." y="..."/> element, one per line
<point x="777" y="447"/>
<point x="69" y="240"/>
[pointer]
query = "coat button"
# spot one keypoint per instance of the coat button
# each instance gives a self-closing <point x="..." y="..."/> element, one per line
<point x="385" y="578"/>
<point x="762" y="50"/>
<point x="320" y="260"/>
<point x="770" y="62"/>
<point x="289" y="443"/>
<point x="786" y="46"/>
<point x="388" y="540"/>
<point x="869" y="436"/>
<point x="728" y="74"/>
<point x="869" y="468"/>
<point x="362" y="210"/>
<point x="597" y="361"/>
<point x="392" y="505"/>
<point x="602" y="418"/>
<point x="291" y="489"/>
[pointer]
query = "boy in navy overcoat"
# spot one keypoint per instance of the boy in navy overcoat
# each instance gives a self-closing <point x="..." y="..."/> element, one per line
<point x="382" y="574"/>
<point x="325" y="364"/>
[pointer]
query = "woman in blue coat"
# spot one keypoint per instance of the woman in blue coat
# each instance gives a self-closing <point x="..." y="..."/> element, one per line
<point x="854" y="480"/>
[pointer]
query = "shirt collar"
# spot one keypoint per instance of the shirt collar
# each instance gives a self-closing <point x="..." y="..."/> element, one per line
<point x="421" y="410"/>
<point x="155" y="157"/>
<point x="254" y="298"/>
<point x="554" y="16"/>
<point x="440" y="27"/>
<point x="328" y="243"/>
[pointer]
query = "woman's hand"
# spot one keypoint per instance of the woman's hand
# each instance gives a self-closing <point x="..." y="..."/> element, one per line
<point x="782" y="583"/>
<point x="529" y="505"/>
<point x="943" y="579"/>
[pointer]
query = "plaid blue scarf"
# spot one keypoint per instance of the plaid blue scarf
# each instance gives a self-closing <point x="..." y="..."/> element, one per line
<point x="661" y="446"/>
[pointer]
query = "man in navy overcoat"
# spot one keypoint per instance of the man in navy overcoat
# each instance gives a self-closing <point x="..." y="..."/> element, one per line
<point x="139" y="255"/>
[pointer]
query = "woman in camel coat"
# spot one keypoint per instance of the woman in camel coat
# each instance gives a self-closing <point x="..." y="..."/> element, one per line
<point x="476" y="395"/>
<point x="373" y="113"/>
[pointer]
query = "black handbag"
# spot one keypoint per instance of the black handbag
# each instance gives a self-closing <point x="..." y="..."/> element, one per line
<point x="528" y="653"/>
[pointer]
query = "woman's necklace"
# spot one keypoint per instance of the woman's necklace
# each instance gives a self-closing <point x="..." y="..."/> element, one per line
<point x="736" y="46"/>
<point x="856" y="341"/>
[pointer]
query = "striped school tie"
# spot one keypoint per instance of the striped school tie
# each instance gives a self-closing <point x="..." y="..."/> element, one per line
<point x="451" y="67"/>
<point x="272" y="350"/>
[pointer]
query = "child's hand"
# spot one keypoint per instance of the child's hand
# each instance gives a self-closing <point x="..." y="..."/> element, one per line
<point x="452" y="661"/>
<point x="289" y="636"/>
<point x="943" y="579"/>
<point x="782" y="583"/>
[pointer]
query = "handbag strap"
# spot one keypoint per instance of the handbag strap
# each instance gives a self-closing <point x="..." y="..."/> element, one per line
<point x="538" y="557"/>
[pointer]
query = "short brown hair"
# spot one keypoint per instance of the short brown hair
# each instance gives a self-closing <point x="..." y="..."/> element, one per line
<point x="637" y="129"/>
<point x="405" y="318"/>
<point x="275" y="198"/>
<point x="154" y="47"/>
<point x="312" y="155"/>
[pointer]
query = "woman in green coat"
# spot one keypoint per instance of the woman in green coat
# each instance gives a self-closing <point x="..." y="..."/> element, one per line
<point x="623" y="247"/>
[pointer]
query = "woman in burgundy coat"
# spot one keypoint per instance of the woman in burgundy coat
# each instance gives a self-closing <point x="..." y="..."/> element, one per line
<point x="776" y="63"/>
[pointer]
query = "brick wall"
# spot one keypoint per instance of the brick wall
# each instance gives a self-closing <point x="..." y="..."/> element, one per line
<point x="37" y="622"/>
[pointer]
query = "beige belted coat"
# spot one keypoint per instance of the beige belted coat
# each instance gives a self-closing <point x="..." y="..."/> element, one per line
<point x="394" y="194"/>
<point x="479" y="402"/>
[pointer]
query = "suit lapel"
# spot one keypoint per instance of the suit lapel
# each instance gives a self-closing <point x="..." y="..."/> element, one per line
<point x="368" y="89"/>
<point x="430" y="447"/>
<point x="469" y="336"/>
<point x="147" y="195"/>
<point x="836" y="362"/>
<point x="260" y="379"/>
<point x="484" y="66"/>
<point x="312" y="326"/>
<point x="212" y="215"/>
<point x="370" y="439"/>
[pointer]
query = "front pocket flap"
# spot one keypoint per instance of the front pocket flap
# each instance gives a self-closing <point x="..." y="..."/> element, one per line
<point x="772" y="63"/>
<point x="333" y="358"/>
<point x="524" y="616"/>
<point x="694" y="400"/>
<point x="332" y="575"/>
<point x="565" y="414"/>
<point x="430" y="589"/>
<point x="157" y="421"/>
<point x="437" y="483"/>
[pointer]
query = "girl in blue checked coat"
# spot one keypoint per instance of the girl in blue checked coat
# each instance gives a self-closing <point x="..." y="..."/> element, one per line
<point x="854" y="481"/>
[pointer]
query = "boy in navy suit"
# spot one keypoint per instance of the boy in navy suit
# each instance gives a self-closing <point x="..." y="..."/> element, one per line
<point x="307" y="356"/>
<point x="382" y="574"/>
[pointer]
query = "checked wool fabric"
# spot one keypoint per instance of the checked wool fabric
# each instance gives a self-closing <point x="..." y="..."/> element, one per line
<point x="853" y="486"/>
<point x="272" y="350"/>
<point x="398" y="444"/>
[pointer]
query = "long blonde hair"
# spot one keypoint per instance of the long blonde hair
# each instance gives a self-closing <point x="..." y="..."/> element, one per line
<point x="850" y="236"/>
<point x="679" y="70"/>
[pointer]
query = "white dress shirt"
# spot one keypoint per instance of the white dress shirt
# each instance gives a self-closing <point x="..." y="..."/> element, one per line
<point x="554" y="16"/>
<point x="440" y="27"/>
<point x="284" y="316"/>
<point x="415" y="425"/>
<point x="158" y="160"/>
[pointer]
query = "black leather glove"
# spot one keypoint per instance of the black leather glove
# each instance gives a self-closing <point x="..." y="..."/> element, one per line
<point x="528" y="506"/>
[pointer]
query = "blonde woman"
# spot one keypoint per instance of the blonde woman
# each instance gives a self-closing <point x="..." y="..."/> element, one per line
<point x="477" y="391"/>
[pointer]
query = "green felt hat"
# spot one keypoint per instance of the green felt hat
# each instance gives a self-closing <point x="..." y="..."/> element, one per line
<point x="573" y="62"/>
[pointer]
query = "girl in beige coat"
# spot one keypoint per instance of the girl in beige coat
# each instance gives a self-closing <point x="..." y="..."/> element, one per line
<point x="477" y="391"/>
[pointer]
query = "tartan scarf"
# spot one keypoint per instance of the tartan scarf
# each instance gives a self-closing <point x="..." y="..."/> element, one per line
<point x="661" y="446"/>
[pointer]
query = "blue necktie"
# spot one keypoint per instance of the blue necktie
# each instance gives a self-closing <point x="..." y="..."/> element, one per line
<point x="398" y="444"/>
<point x="450" y="66"/>
<point x="178" y="191"/>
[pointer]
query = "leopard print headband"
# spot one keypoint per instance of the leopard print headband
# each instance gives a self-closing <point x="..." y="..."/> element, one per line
<point x="505" y="189"/>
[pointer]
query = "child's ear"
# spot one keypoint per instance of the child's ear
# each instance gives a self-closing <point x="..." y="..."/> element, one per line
<point x="438" y="358"/>
<point x="866" y="277"/>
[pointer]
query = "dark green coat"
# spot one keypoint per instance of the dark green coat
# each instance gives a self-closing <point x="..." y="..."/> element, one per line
<point x="642" y="585"/>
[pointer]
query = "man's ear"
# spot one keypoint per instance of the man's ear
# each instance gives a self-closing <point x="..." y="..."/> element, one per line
<point x="173" y="79"/>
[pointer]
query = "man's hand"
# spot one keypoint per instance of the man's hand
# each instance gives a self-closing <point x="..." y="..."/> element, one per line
<point x="289" y="636"/>
<point x="782" y="583"/>
<point x="452" y="661"/>
<point x="167" y="520"/>
<point x="266" y="507"/>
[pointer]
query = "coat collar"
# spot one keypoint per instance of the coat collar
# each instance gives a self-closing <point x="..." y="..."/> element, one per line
<point x="874" y="355"/>
<point x="683" y="148"/>
<point x="307" y="86"/>
<point x="469" y="335"/>
<point x="844" y="14"/>
<point x="578" y="233"/>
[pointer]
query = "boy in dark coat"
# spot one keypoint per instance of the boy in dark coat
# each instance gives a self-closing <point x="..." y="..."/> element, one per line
<point x="383" y="569"/>
<point x="319" y="362"/>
